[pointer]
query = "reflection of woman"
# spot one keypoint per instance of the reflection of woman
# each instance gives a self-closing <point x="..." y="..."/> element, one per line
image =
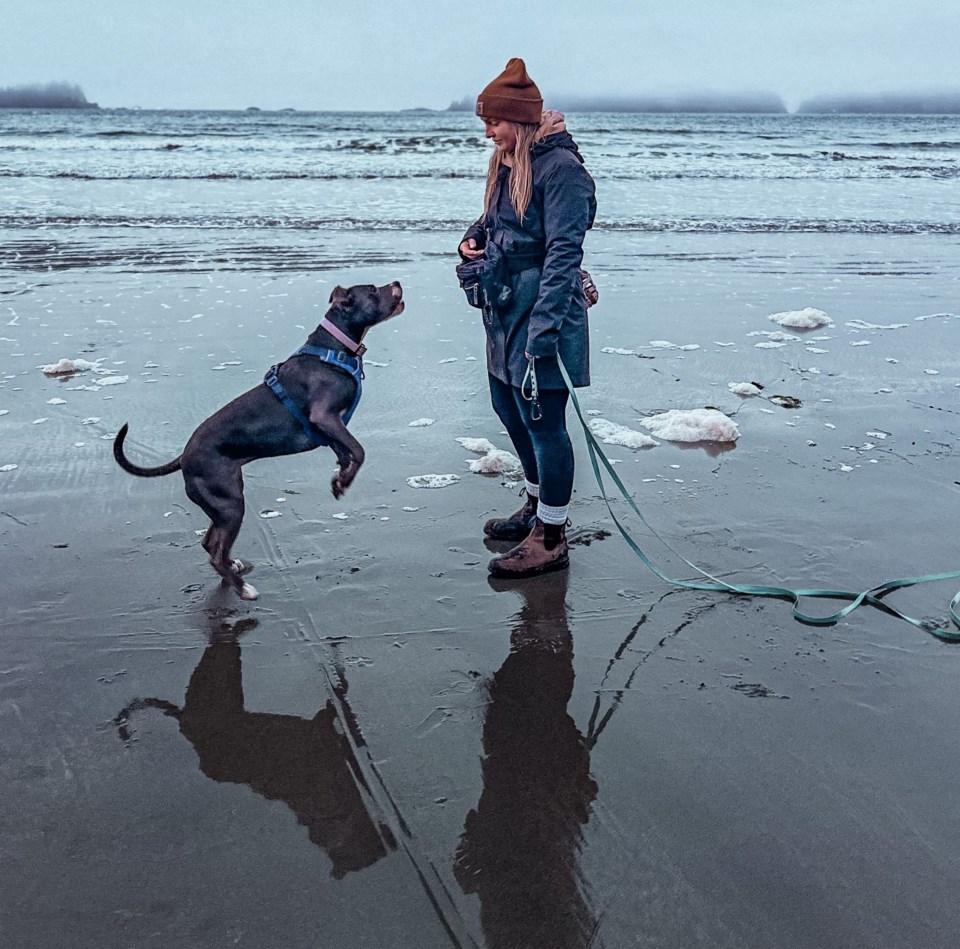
<point x="538" y="206"/>
<point x="519" y="848"/>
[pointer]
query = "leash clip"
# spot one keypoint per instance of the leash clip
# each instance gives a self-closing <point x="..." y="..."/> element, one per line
<point x="531" y="374"/>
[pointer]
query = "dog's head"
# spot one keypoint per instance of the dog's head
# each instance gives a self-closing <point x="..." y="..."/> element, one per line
<point x="356" y="309"/>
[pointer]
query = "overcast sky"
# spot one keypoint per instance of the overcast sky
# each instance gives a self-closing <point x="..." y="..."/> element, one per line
<point x="363" y="54"/>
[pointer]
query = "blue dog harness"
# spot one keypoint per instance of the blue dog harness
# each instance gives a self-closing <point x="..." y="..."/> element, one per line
<point x="352" y="365"/>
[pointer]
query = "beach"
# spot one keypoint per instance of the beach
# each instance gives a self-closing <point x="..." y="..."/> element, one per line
<point x="388" y="749"/>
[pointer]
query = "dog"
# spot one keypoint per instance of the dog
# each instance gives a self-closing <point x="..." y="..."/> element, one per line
<point x="303" y="403"/>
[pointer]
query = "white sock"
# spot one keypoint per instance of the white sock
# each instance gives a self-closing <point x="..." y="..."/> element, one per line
<point x="533" y="490"/>
<point x="552" y="515"/>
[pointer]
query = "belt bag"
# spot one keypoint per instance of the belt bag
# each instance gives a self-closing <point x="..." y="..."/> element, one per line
<point x="485" y="281"/>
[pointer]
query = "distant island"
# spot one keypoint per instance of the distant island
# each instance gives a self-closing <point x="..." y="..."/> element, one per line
<point x="939" y="103"/>
<point x="52" y="95"/>
<point x="704" y="102"/>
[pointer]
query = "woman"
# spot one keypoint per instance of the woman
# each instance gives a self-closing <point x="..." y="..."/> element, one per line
<point x="538" y="207"/>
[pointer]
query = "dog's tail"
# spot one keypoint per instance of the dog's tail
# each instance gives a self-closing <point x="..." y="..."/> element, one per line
<point x="122" y="461"/>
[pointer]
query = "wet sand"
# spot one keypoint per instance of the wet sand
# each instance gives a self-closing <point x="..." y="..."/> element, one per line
<point x="389" y="750"/>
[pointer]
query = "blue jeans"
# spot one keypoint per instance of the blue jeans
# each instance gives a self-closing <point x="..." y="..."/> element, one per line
<point x="543" y="446"/>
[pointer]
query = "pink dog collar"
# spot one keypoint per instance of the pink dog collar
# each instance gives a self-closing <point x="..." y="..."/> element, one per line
<point x="358" y="349"/>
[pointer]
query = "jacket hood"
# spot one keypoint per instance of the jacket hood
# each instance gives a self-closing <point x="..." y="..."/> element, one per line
<point x="557" y="140"/>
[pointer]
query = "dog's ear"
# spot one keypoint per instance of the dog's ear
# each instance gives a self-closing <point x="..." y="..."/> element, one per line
<point x="342" y="298"/>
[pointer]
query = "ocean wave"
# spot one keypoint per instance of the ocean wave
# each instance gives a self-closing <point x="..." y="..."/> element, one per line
<point x="253" y="222"/>
<point x="918" y="145"/>
<point x="847" y="169"/>
<point x="811" y="173"/>
<point x="781" y="225"/>
<point x="224" y="223"/>
<point x="439" y="174"/>
<point x="175" y="257"/>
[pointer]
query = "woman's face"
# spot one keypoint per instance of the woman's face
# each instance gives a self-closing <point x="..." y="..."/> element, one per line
<point x="503" y="133"/>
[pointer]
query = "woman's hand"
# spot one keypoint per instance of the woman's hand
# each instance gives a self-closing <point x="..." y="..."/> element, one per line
<point x="590" y="291"/>
<point x="469" y="250"/>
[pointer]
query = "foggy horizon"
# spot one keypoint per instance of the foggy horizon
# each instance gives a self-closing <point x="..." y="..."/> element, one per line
<point x="316" y="56"/>
<point x="698" y="99"/>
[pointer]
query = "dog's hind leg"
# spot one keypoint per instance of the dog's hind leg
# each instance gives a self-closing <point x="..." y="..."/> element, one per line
<point x="223" y="503"/>
<point x="217" y="543"/>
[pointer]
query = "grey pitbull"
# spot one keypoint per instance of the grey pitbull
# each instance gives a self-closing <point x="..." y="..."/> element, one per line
<point x="303" y="403"/>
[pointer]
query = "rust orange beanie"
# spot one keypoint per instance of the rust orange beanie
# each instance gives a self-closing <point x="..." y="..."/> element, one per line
<point x="513" y="96"/>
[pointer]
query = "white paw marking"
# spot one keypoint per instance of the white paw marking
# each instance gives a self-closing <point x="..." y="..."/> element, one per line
<point x="249" y="592"/>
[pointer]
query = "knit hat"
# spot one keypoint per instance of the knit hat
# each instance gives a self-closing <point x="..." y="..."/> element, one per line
<point x="512" y="96"/>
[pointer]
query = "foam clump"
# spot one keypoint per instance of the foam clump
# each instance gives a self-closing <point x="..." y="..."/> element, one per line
<point x="693" y="425"/>
<point x="743" y="388"/>
<point x="776" y="336"/>
<point x="480" y="445"/>
<point x="421" y="422"/>
<point x="495" y="461"/>
<point x="666" y="344"/>
<point x="66" y="367"/>
<point x="433" y="480"/>
<point x="612" y="434"/>
<point x="809" y="318"/>
<point x="864" y="325"/>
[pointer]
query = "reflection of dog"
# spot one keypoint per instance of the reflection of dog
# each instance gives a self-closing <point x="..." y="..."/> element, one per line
<point x="304" y="402"/>
<point x="307" y="763"/>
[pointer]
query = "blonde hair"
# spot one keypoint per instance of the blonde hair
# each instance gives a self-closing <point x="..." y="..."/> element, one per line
<point x="521" y="171"/>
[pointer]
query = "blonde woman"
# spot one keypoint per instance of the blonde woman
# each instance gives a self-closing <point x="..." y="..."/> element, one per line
<point x="538" y="206"/>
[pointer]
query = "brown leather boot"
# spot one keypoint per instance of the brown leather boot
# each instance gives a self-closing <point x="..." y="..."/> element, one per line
<point x="516" y="526"/>
<point x="544" y="549"/>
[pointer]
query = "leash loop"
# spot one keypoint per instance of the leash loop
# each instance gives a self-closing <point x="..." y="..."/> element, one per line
<point x="871" y="597"/>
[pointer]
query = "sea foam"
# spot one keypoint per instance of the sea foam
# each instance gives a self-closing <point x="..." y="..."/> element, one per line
<point x="479" y="445"/>
<point x="495" y="461"/>
<point x="693" y="425"/>
<point x="612" y="434"/>
<point x="433" y="480"/>
<point x="65" y="367"/>
<point x="809" y="318"/>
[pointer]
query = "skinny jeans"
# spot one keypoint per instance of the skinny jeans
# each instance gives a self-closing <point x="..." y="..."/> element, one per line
<point x="542" y="445"/>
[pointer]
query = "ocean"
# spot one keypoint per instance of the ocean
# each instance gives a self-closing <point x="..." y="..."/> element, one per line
<point x="264" y="190"/>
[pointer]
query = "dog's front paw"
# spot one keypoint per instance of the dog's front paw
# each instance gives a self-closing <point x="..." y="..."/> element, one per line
<point x="344" y="478"/>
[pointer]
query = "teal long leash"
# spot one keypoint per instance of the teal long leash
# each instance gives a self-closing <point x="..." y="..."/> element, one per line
<point x="871" y="597"/>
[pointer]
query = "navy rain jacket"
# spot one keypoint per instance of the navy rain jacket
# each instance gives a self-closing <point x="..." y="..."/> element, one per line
<point x="547" y="312"/>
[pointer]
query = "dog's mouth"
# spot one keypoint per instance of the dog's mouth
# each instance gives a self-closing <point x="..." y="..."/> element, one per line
<point x="397" y="307"/>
